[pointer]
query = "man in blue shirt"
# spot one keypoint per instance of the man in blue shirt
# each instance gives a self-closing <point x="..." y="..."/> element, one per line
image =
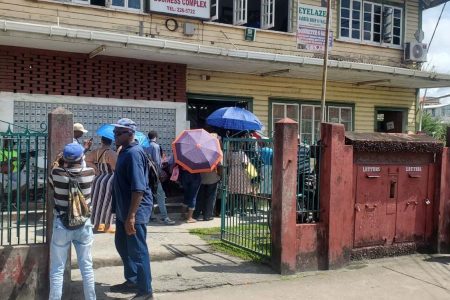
<point x="132" y="203"/>
<point x="154" y="150"/>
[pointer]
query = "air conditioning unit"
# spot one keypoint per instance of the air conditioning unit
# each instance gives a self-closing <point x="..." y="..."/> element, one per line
<point x="416" y="52"/>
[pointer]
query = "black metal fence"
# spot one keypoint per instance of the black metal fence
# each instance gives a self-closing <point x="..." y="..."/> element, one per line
<point x="308" y="179"/>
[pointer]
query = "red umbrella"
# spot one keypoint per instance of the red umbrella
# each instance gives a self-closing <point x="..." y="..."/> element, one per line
<point x="197" y="151"/>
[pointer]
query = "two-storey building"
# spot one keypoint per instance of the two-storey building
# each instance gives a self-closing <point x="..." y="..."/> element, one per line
<point x="163" y="62"/>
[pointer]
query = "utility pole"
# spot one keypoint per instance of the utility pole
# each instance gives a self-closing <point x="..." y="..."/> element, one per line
<point x="325" y="62"/>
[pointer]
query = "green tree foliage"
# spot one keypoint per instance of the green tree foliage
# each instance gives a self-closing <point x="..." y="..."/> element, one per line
<point x="434" y="126"/>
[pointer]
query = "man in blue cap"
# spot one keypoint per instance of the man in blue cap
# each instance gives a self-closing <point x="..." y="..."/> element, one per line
<point x="132" y="203"/>
<point x="62" y="237"/>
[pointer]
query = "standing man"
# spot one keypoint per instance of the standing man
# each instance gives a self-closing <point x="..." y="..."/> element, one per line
<point x="62" y="237"/>
<point x="154" y="150"/>
<point x="132" y="203"/>
<point x="78" y="131"/>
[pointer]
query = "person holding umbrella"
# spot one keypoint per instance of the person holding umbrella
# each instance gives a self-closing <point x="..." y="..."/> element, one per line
<point x="195" y="151"/>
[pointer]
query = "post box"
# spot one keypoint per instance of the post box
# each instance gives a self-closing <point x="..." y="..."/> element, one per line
<point x="394" y="191"/>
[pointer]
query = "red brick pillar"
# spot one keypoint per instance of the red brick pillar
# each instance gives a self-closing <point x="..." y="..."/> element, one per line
<point x="336" y="194"/>
<point x="60" y="133"/>
<point x="284" y="202"/>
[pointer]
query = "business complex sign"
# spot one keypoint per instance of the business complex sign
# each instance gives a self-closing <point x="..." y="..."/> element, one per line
<point x="312" y="22"/>
<point x="190" y="8"/>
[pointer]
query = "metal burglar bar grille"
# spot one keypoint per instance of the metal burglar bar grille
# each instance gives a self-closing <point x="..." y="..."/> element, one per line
<point x="247" y="192"/>
<point x="163" y="120"/>
<point x="308" y="178"/>
<point x="23" y="181"/>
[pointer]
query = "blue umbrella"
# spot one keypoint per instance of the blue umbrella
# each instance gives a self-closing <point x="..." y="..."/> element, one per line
<point x="107" y="131"/>
<point x="234" y="118"/>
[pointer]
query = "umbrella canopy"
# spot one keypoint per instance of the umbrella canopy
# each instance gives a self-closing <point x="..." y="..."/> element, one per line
<point x="234" y="118"/>
<point x="107" y="131"/>
<point x="197" y="151"/>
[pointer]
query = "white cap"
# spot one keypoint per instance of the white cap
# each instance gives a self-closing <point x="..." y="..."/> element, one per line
<point x="79" y="127"/>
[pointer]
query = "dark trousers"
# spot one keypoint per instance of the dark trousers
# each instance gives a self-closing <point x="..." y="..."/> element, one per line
<point x="135" y="256"/>
<point x="206" y="200"/>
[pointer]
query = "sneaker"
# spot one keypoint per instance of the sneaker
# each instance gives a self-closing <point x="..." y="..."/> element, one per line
<point x="168" y="221"/>
<point x="126" y="287"/>
<point x="140" y="296"/>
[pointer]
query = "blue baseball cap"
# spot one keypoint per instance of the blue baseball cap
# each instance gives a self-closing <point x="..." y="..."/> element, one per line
<point x="73" y="152"/>
<point x="126" y="123"/>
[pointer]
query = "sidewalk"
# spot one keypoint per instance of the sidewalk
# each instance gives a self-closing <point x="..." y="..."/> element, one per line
<point x="165" y="243"/>
<point x="183" y="267"/>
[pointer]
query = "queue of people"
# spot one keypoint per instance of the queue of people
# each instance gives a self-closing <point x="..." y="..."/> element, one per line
<point x="108" y="190"/>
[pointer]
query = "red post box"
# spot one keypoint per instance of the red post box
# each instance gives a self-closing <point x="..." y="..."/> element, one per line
<point x="394" y="177"/>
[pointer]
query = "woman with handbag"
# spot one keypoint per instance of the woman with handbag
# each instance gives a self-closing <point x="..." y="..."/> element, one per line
<point x="103" y="160"/>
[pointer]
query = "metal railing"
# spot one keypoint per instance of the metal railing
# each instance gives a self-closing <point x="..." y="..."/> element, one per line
<point x="246" y="191"/>
<point x="23" y="181"/>
<point x="308" y="179"/>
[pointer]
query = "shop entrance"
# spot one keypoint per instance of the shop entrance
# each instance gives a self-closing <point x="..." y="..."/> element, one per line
<point x="201" y="106"/>
<point x="390" y="120"/>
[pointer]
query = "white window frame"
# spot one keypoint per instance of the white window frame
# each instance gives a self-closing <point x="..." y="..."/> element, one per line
<point x="361" y="19"/>
<point x="240" y="11"/>
<point x="128" y="8"/>
<point x="340" y="108"/>
<point x="300" y="121"/>
<point x="394" y="8"/>
<point x="372" y="23"/>
<point x="285" y="105"/>
<point x="214" y="7"/>
<point x="350" y="21"/>
<point x="267" y="14"/>
<point x="82" y="1"/>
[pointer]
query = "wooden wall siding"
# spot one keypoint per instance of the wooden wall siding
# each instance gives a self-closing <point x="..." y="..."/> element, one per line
<point x="261" y="89"/>
<point x="61" y="73"/>
<point x="207" y="34"/>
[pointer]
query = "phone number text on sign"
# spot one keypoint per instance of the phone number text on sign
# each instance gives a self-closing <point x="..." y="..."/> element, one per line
<point x="191" y="8"/>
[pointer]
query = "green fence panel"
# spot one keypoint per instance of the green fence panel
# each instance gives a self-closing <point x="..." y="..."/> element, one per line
<point x="246" y="192"/>
<point x="23" y="182"/>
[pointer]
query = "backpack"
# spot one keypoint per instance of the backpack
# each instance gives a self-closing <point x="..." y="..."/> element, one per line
<point x="78" y="212"/>
<point x="153" y="177"/>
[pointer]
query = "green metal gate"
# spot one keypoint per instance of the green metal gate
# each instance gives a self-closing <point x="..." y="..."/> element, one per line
<point x="246" y="192"/>
<point x="23" y="182"/>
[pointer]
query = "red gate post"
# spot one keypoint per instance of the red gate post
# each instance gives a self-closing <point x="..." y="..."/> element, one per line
<point x="284" y="202"/>
<point x="336" y="194"/>
<point x="442" y="211"/>
<point x="60" y="133"/>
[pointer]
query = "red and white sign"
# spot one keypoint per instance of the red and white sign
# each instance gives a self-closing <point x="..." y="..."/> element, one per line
<point x="191" y="8"/>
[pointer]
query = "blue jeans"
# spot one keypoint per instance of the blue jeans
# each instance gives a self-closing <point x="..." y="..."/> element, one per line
<point x="135" y="256"/>
<point x="82" y="239"/>
<point x="161" y="199"/>
<point x="191" y="184"/>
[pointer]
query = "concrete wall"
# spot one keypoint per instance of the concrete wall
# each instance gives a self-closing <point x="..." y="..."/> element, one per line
<point x="23" y="272"/>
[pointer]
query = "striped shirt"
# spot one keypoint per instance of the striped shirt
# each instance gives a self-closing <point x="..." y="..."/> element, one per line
<point x="59" y="179"/>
